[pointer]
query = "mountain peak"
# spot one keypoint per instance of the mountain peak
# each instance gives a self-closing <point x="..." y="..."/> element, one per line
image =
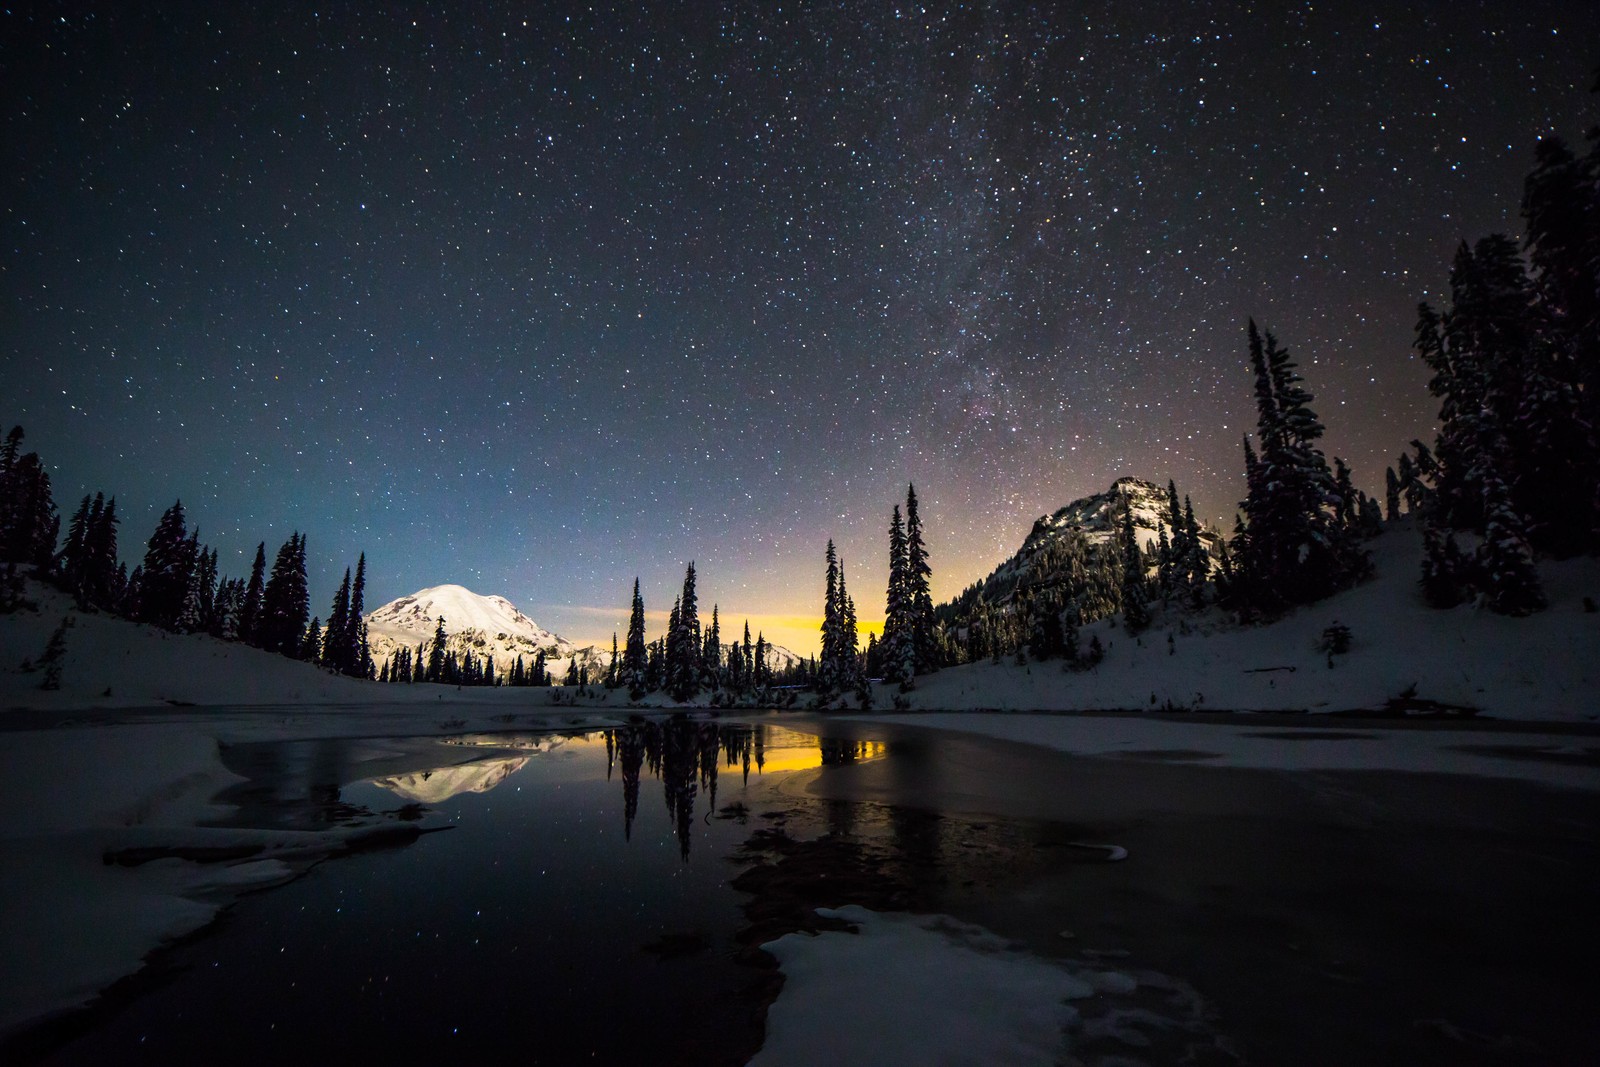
<point x="1099" y="518"/>
<point x="487" y="625"/>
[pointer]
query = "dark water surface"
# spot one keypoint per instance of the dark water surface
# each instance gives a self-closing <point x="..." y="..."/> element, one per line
<point x="577" y="909"/>
<point x="596" y="897"/>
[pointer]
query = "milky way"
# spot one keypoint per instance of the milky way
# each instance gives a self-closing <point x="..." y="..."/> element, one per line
<point x="535" y="298"/>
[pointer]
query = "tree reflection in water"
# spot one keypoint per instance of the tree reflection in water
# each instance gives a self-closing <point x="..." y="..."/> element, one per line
<point x="686" y="756"/>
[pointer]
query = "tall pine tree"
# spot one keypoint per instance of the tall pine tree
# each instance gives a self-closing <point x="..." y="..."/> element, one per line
<point x="285" y="603"/>
<point x="918" y="575"/>
<point x="634" y="655"/>
<point x="898" y="650"/>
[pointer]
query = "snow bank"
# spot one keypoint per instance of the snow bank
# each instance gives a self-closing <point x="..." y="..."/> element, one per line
<point x="915" y="989"/>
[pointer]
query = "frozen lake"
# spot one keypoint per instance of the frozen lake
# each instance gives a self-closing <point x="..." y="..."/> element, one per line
<point x="600" y="896"/>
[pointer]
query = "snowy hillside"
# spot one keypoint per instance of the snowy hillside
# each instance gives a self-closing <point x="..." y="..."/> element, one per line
<point x="483" y="625"/>
<point x="1544" y="666"/>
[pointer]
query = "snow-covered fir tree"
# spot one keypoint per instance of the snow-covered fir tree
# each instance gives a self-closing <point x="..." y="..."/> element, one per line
<point x="684" y="673"/>
<point x="1294" y="546"/>
<point x="918" y="576"/>
<point x="1135" y="612"/>
<point x="634" y="654"/>
<point x="897" y="652"/>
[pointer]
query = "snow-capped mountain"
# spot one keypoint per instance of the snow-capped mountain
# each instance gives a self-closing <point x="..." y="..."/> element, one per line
<point x="1099" y="519"/>
<point x="484" y="625"/>
<point x="1099" y="516"/>
<point x="494" y="626"/>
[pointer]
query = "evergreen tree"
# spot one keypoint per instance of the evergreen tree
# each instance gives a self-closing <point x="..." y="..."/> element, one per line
<point x="100" y="581"/>
<point x="1295" y="548"/>
<point x="356" y="651"/>
<point x="738" y="678"/>
<point x="365" y="658"/>
<point x="656" y="663"/>
<point x="1561" y="205"/>
<point x="898" y="651"/>
<point x="70" y="561"/>
<point x="191" y="615"/>
<point x="1135" y="615"/>
<point x="1506" y="562"/>
<point x="311" y="642"/>
<point x="635" y="656"/>
<point x="285" y="602"/>
<point x="436" y="654"/>
<point x="336" y="650"/>
<point x="1164" y="562"/>
<point x="204" y="591"/>
<point x="751" y="670"/>
<point x="225" y="617"/>
<point x="1346" y="509"/>
<point x="29" y="522"/>
<point x="55" y="652"/>
<point x="711" y="655"/>
<point x="11" y="451"/>
<point x="168" y="566"/>
<point x="1196" y="563"/>
<point x="1371" y="516"/>
<point x="849" y="666"/>
<point x="1510" y="404"/>
<point x="1182" y="555"/>
<point x="1444" y="575"/>
<point x="684" y="652"/>
<point x="250" y="609"/>
<point x="1391" y="494"/>
<point x="1070" y="617"/>
<point x="128" y="606"/>
<point x="1097" y="651"/>
<point x="832" y="627"/>
<point x="918" y="575"/>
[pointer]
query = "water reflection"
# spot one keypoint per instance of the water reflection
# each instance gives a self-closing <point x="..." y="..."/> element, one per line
<point x="438" y="785"/>
<point x="687" y="756"/>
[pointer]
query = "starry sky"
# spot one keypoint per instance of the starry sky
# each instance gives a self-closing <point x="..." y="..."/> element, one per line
<point x="539" y="297"/>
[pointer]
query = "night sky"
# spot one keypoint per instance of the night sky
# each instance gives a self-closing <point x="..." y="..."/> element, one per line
<point x="535" y="298"/>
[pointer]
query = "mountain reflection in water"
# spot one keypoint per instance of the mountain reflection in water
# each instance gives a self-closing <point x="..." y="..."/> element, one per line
<point x="685" y="755"/>
<point x="439" y="785"/>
